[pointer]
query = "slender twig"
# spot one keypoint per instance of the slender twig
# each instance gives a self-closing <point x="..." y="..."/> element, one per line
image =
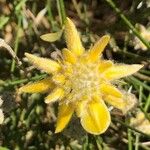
<point x="61" y="11"/>
<point x="130" y="127"/>
<point x="142" y="76"/>
<point x="140" y="144"/>
<point x="128" y="23"/>
<point x="147" y="72"/>
<point x="50" y="15"/>
<point x="138" y="82"/>
<point x="10" y="50"/>
<point x="147" y="104"/>
<point x="145" y="113"/>
<point x="16" y="43"/>
<point x="129" y="139"/>
<point x="99" y="141"/>
<point x="12" y="83"/>
<point x="77" y="8"/>
<point x="137" y="138"/>
<point x="140" y="94"/>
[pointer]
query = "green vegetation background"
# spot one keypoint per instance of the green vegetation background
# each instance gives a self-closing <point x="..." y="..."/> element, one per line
<point x="29" y="123"/>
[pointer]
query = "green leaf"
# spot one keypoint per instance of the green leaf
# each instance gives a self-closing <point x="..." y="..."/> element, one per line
<point x="52" y="37"/>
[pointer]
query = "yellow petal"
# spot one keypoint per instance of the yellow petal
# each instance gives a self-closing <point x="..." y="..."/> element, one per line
<point x="98" y="48"/>
<point x="58" y="93"/>
<point x="80" y="108"/>
<point x="108" y="89"/>
<point x="104" y="65"/>
<point x="96" y="117"/>
<point x="114" y="101"/>
<point x="45" y="64"/>
<point x="72" y="38"/>
<point x="69" y="56"/>
<point x="120" y="71"/>
<point x="64" y="115"/>
<point x="58" y="79"/>
<point x="39" y="86"/>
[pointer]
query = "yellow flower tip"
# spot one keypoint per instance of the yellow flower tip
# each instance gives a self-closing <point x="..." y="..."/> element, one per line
<point x="19" y="91"/>
<point x="64" y="115"/>
<point x="54" y="96"/>
<point x="134" y="68"/>
<point x="68" y="21"/>
<point x="98" y="48"/>
<point x="107" y="37"/>
<point x="120" y="71"/>
<point x="41" y="86"/>
<point x="28" y="55"/>
<point x="44" y="64"/>
<point x="72" y="38"/>
<point x="137" y="67"/>
<point x="23" y="89"/>
<point x="57" y="130"/>
<point x="69" y="56"/>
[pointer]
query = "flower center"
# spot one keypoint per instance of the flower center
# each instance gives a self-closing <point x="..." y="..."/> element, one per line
<point x="83" y="82"/>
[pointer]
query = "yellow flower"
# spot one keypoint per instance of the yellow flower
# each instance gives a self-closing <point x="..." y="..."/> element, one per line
<point x="81" y="82"/>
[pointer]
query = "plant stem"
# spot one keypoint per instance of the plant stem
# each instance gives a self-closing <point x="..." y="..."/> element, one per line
<point x="128" y="23"/>
<point x="12" y="83"/>
<point x="147" y="104"/>
<point x="77" y="8"/>
<point x="137" y="137"/>
<point x="50" y="15"/>
<point x="61" y="11"/>
<point x="99" y="141"/>
<point x="145" y="113"/>
<point x="130" y="127"/>
<point x="129" y="139"/>
<point x="16" y="44"/>
<point x="140" y="94"/>
<point x="138" y="82"/>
